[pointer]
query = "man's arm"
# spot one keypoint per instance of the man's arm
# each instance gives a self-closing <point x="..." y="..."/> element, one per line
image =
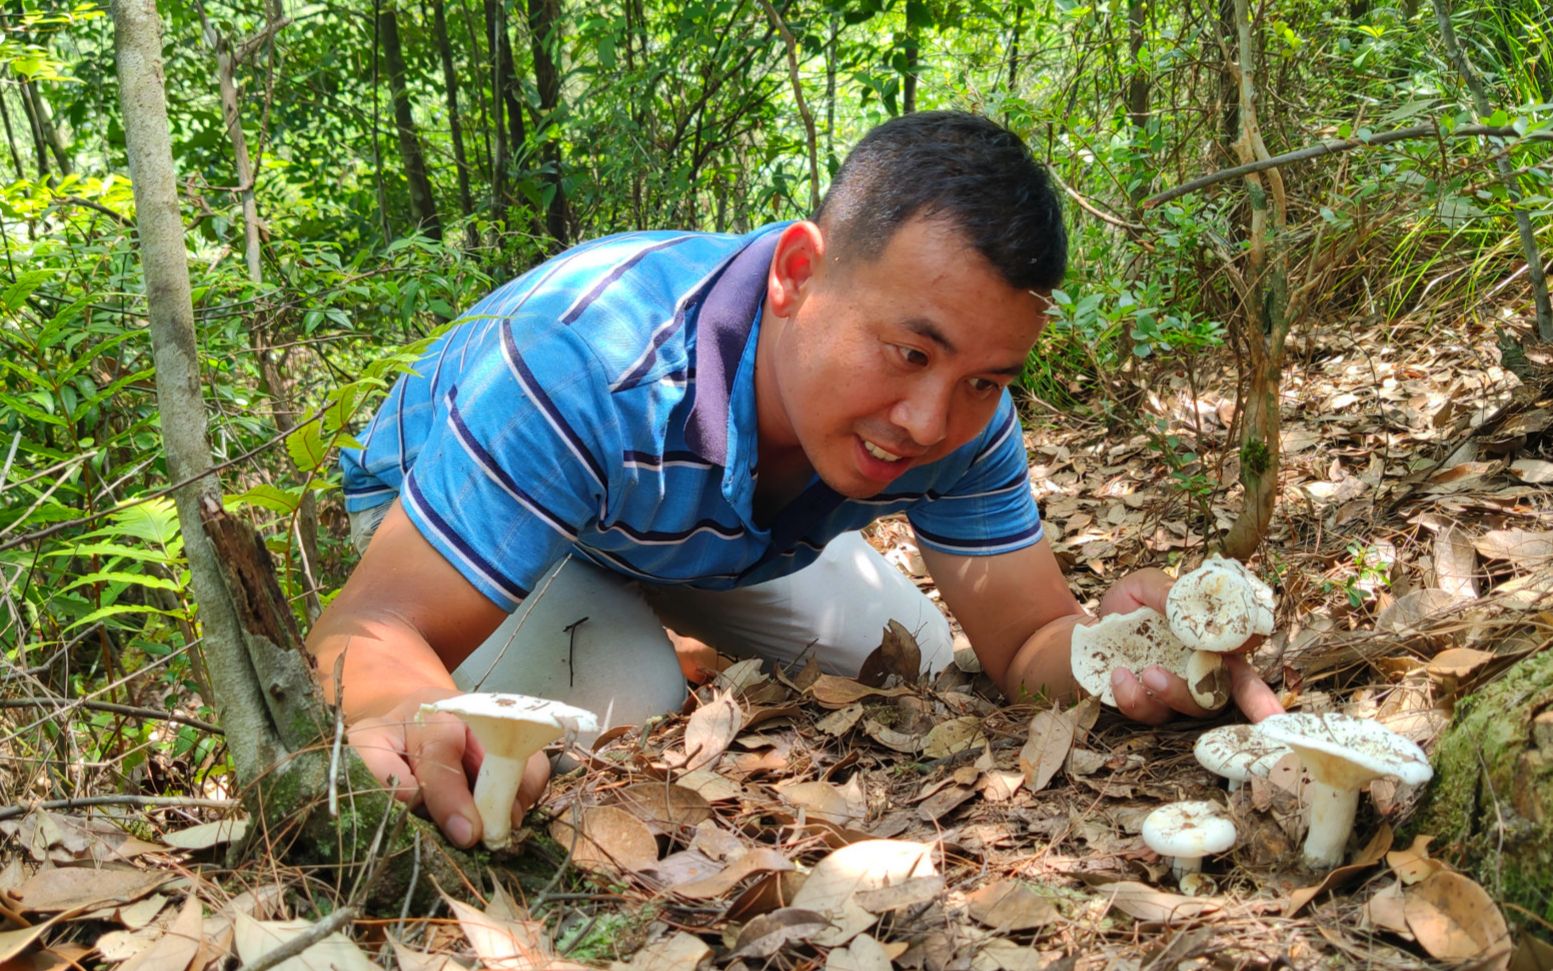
<point x="403" y="621"/>
<point x="1019" y="614"/>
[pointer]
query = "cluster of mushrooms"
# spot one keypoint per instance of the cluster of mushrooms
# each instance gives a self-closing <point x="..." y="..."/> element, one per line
<point x="1210" y="611"/>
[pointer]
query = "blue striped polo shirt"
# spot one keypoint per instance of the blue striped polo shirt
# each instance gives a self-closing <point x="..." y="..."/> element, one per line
<point x="603" y="405"/>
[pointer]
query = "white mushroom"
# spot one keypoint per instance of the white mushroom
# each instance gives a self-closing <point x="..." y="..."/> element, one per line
<point x="1134" y="641"/>
<point x="1238" y="752"/>
<point x="510" y="728"/>
<point x="1342" y="754"/>
<point x="1186" y="832"/>
<point x="1219" y="606"/>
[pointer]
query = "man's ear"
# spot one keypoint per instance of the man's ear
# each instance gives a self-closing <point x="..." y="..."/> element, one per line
<point x="799" y="256"/>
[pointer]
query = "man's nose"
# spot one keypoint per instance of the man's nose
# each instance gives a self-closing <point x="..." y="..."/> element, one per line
<point x="923" y="413"/>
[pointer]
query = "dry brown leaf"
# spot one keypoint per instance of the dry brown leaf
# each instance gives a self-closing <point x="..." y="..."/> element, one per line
<point x="1145" y="903"/>
<point x="506" y="944"/>
<point x="890" y="738"/>
<point x="840" y="721"/>
<point x="663" y="806"/>
<point x="1011" y="905"/>
<point x="256" y="938"/>
<point x="206" y="835"/>
<point x="943" y="802"/>
<point x="177" y="946"/>
<point x="1532" y="954"/>
<point x="13" y="943"/>
<point x="832" y="691"/>
<point x="710" y="730"/>
<point x="1004" y="955"/>
<point x="1385" y="911"/>
<point x="835" y="881"/>
<point x="711" y="786"/>
<point x="824" y="801"/>
<point x="1368" y="857"/>
<point x="769" y="933"/>
<point x="897" y="654"/>
<point x="1524" y="548"/>
<point x="609" y="838"/>
<point x="1413" y="864"/>
<point x="1409" y="611"/>
<point x="1051" y="736"/>
<point x="741" y="676"/>
<point x="412" y="960"/>
<point x="1534" y="471"/>
<point x="898" y="896"/>
<point x="1454" y="919"/>
<point x="954" y="735"/>
<point x="759" y="860"/>
<point x="1455" y="563"/>
<point x="141" y="912"/>
<point x="863" y="954"/>
<point x="1459" y="662"/>
<point x="77" y="888"/>
<point x="679" y="952"/>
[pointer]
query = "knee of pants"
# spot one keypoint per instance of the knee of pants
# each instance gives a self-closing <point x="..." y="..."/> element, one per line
<point x="585" y="637"/>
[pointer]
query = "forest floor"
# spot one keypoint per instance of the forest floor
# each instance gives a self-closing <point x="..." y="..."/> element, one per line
<point x="793" y="820"/>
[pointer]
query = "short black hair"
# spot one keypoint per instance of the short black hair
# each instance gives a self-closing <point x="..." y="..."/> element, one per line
<point x="963" y="168"/>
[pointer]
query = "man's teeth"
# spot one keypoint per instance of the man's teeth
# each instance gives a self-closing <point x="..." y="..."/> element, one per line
<point x="880" y="453"/>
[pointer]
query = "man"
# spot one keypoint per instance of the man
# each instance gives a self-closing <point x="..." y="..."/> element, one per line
<point x="685" y="429"/>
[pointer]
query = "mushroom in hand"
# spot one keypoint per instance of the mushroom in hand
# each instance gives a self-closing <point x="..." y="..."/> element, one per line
<point x="1214" y="609"/>
<point x="1342" y="754"/>
<point x="509" y="728"/>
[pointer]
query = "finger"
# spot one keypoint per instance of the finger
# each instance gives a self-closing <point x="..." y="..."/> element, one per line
<point x="436" y="753"/>
<point x="536" y="775"/>
<point x="1134" y="700"/>
<point x="1142" y="588"/>
<point x="1251" y="693"/>
<point x="1173" y="691"/>
<point x="381" y="749"/>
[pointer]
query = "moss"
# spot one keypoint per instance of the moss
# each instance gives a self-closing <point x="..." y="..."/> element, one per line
<point x="1491" y="803"/>
<point x="1254" y="457"/>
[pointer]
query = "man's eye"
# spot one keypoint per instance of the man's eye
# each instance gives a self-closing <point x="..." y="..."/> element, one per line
<point x="982" y="387"/>
<point x="911" y="356"/>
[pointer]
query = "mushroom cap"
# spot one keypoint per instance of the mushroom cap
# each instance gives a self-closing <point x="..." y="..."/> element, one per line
<point x="1219" y="605"/>
<point x="1346" y="752"/>
<point x="1134" y="641"/>
<point x="528" y="722"/>
<point x="1238" y="752"/>
<point x="1188" y="829"/>
<point x="1208" y="679"/>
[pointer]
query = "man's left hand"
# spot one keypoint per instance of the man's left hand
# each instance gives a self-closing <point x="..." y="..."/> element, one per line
<point x="1159" y="695"/>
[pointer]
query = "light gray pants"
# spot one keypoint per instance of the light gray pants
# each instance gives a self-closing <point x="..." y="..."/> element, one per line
<point x="593" y="638"/>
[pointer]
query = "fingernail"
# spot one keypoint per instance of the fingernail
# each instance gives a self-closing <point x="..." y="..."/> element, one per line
<point x="1118" y="677"/>
<point x="1156" y="681"/>
<point x="461" y="831"/>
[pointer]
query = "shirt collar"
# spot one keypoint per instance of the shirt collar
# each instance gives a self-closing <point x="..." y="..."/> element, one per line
<point x="723" y="329"/>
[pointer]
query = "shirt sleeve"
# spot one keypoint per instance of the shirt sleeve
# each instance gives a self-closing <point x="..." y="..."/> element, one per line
<point x="513" y="465"/>
<point x="989" y="510"/>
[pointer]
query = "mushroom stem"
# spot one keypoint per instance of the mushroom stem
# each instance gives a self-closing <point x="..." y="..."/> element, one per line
<point x="1180" y="866"/>
<point x="496" y="788"/>
<point x="1331" y="820"/>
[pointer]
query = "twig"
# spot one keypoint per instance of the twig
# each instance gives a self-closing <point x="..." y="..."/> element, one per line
<point x="803" y="107"/>
<point x="303" y="941"/>
<point x="1090" y="207"/>
<point x="1335" y="145"/>
<point x="86" y="802"/>
<point x="117" y="709"/>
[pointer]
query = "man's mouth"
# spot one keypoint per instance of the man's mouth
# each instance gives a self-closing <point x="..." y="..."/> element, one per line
<point x="880" y="453"/>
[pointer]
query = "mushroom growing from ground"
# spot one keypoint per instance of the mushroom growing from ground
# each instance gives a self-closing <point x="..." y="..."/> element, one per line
<point x="509" y="728"/>
<point x="1186" y="832"/>
<point x="1238" y="752"/>
<point x="1214" y="609"/>
<point x="1342" y="754"/>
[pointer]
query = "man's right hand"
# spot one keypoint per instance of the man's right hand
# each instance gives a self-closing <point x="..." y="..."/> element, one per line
<point x="428" y="760"/>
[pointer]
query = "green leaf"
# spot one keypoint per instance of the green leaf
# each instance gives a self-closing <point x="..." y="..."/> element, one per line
<point x="155" y="521"/>
<point x="119" y="610"/>
<point x="266" y="496"/>
<point x="307" y="447"/>
<point x="129" y="579"/>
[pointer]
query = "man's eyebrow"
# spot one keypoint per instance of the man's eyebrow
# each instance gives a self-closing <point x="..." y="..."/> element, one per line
<point x="928" y="329"/>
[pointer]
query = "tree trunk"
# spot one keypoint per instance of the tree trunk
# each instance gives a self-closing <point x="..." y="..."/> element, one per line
<point x="544" y="32"/>
<point x="1138" y="83"/>
<point x="496" y="32"/>
<point x="1507" y="176"/>
<point x="39" y="143"/>
<point x="423" y="205"/>
<point x="1263" y="326"/>
<point x="285" y="413"/>
<point x="261" y="685"/>
<point x="10" y="139"/>
<point x="1491" y="802"/>
<point x="1229" y="86"/>
<point x="916" y="12"/>
<point x="455" y="127"/>
<point x="377" y="129"/>
<point x="51" y="136"/>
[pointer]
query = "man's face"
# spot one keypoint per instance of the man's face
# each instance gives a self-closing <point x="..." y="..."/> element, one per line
<point x="867" y="368"/>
